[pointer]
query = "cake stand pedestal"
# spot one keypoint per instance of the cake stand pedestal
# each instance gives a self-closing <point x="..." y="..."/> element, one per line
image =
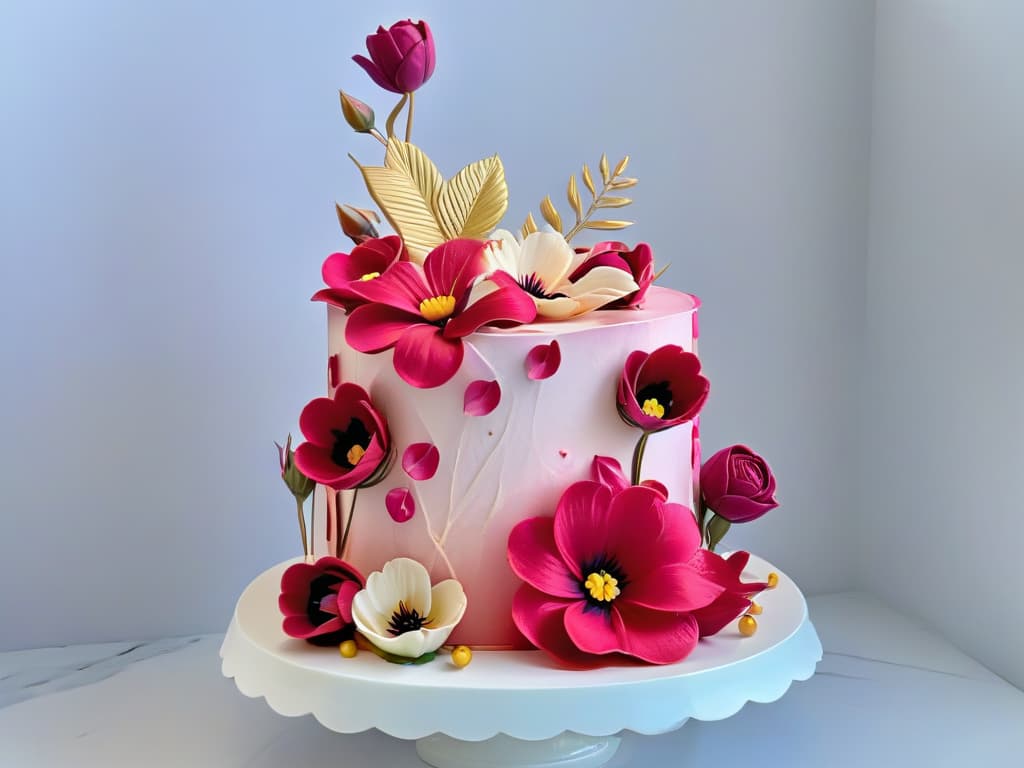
<point x="515" y="708"/>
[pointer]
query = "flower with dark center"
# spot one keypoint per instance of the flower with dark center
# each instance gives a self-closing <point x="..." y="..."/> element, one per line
<point x="661" y="389"/>
<point x="316" y="600"/>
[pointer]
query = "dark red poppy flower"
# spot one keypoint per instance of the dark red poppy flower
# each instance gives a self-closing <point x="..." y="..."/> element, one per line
<point x="316" y="600"/>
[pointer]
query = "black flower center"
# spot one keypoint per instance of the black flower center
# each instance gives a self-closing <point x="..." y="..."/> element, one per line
<point x="603" y="581"/>
<point x="350" y="445"/>
<point x="659" y="392"/>
<point x="533" y="286"/>
<point x="319" y="588"/>
<point x="406" y="619"/>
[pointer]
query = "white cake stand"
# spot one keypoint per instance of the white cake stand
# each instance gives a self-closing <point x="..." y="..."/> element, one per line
<point x="515" y="708"/>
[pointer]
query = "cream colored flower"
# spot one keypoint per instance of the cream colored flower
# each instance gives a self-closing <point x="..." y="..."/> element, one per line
<point x="401" y="614"/>
<point x="542" y="265"/>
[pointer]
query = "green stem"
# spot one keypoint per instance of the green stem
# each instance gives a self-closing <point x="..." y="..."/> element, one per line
<point x="389" y="124"/>
<point x="348" y="524"/>
<point x="302" y="526"/>
<point x="408" y="121"/>
<point x="638" y="457"/>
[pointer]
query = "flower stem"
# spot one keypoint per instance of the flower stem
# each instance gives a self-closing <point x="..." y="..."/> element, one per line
<point x="302" y="526"/>
<point x="348" y="524"/>
<point x="312" y="518"/>
<point x="377" y="135"/>
<point x="638" y="457"/>
<point x="389" y="125"/>
<point x="408" y="121"/>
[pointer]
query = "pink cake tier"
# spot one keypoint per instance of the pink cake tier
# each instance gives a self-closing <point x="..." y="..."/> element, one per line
<point x="514" y="462"/>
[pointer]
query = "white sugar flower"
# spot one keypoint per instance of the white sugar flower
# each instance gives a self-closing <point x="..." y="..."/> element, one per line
<point x="401" y="614"/>
<point x="543" y="264"/>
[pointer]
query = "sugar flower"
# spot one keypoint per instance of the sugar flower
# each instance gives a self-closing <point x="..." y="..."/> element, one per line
<point x="610" y="575"/>
<point x="637" y="262"/>
<point x="544" y="266"/>
<point x="735" y="600"/>
<point x="738" y="485"/>
<point x="661" y="389"/>
<point x="402" y="615"/>
<point x="424" y="313"/>
<point x="402" y="57"/>
<point x="346" y="274"/>
<point x="348" y="443"/>
<point x="316" y="600"/>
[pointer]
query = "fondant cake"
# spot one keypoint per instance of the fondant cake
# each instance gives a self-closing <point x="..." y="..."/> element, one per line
<point x="508" y="453"/>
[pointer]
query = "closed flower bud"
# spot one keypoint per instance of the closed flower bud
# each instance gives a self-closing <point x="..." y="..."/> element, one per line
<point x="299" y="485"/>
<point x="357" y="114"/>
<point x="357" y="223"/>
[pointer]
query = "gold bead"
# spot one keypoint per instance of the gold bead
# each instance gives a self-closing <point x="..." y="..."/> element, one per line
<point x="773" y="580"/>
<point x="348" y="649"/>
<point x="748" y="626"/>
<point x="755" y="609"/>
<point x="461" y="656"/>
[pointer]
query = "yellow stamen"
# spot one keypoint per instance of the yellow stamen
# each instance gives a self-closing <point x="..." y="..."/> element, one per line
<point x="355" y="453"/>
<point x="755" y="609"/>
<point x="653" y="408"/>
<point x="437" y="308"/>
<point x="370" y="276"/>
<point x="773" y="580"/>
<point x="602" y="586"/>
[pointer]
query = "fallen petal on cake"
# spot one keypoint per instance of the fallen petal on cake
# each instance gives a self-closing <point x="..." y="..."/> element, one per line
<point x="400" y="504"/>
<point x="543" y="361"/>
<point x="481" y="397"/>
<point x="420" y="460"/>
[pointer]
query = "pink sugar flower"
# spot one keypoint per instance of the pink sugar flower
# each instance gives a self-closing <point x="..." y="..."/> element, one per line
<point x="402" y="57"/>
<point x="346" y="274"/>
<point x="637" y="262"/>
<point x="661" y="389"/>
<point x="316" y="600"/>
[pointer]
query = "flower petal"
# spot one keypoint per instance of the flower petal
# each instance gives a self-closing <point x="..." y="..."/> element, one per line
<point x="713" y="618"/>
<point x="547" y="256"/>
<point x="591" y="629"/>
<point x="502" y="252"/>
<point x="558" y="308"/>
<point x="373" y="328"/>
<point x="375" y="73"/>
<point x="508" y="304"/>
<point x="581" y="524"/>
<point x="671" y="587"/>
<point x="400" y="504"/>
<point x="481" y="397"/>
<point x="452" y="267"/>
<point x="655" y="636"/>
<point x="608" y="471"/>
<point x="420" y="461"/>
<point x="400" y="580"/>
<point x="316" y="464"/>
<point x="408" y="644"/>
<point x="448" y="605"/>
<point x="534" y="557"/>
<point x="424" y="358"/>
<point x="541" y="620"/>
<point x="598" y="287"/>
<point x="543" y="360"/>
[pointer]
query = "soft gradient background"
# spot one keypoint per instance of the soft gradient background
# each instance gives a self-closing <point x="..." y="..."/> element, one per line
<point x="168" y="180"/>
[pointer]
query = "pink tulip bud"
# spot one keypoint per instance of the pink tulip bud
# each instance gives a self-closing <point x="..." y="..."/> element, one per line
<point x="357" y="223"/>
<point x="357" y="114"/>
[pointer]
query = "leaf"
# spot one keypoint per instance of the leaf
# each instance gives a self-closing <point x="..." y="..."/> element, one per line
<point x="589" y="181"/>
<point x="404" y="206"/>
<point x="621" y="167"/>
<point x="529" y="226"/>
<point x="613" y="202"/>
<point x="547" y="210"/>
<point x="604" y="168"/>
<point x="623" y="183"/>
<point x="430" y="656"/>
<point x="412" y="161"/>
<point x="472" y="202"/>
<point x="574" y="198"/>
<point x="717" y="529"/>
<point x="607" y="224"/>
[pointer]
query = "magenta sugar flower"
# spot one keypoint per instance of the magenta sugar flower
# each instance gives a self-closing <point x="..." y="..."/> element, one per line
<point x="737" y="484"/>
<point x="637" y="262"/>
<point x="609" y="575"/>
<point x="346" y="274"/>
<point x="348" y="443"/>
<point x="402" y="57"/>
<point x="735" y="599"/>
<point x="316" y="600"/>
<point x="424" y="313"/>
<point x="661" y="389"/>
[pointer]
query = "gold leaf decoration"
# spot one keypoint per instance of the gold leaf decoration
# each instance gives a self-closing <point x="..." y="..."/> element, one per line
<point x="426" y="210"/>
<point x="588" y="180"/>
<point x="603" y="165"/>
<point x="547" y="210"/>
<point x="529" y="226"/>
<point x="607" y="224"/>
<point x="574" y="198"/>
<point x="613" y="202"/>
<point x="621" y="167"/>
<point x="624" y="183"/>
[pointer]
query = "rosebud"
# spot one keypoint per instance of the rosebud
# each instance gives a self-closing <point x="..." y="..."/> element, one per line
<point x="357" y="223"/>
<point x="357" y="114"/>
<point x="299" y="485"/>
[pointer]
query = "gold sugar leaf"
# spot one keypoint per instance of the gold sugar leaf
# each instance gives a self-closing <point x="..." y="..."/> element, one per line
<point x="603" y="165"/>
<point x="613" y="202"/>
<point x="623" y="183"/>
<point x="529" y="226"/>
<point x="589" y="181"/>
<point x="574" y="198"/>
<point x="473" y="201"/>
<point x="413" y="162"/>
<point x="621" y="167"/>
<point x="607" y="224"/>
<point x="547" y="210"/>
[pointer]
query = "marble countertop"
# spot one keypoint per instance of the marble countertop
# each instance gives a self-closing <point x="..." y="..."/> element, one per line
<point x="887" y="692"/>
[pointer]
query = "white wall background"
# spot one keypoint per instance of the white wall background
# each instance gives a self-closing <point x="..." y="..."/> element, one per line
<point x="944" y="406"/>
<point x="166" y="198"/>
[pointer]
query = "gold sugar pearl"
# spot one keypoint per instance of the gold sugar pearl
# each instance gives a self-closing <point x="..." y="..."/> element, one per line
<point x="748" y="626"/>
<point x="348" y="649"/>
<point x="773" y="580"/>
<point x="461" y="656"/>
<point x="755" y="609"/>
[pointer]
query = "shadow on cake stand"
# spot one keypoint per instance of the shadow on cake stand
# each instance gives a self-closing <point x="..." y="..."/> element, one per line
<point x="513" y="708"/>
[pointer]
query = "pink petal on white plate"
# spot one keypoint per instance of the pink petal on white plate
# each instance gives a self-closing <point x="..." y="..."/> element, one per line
<point x="420" y="461"/>
<point x="481" y="397"/>
<point x="334" y="371"/>
<point x="543" y="360"/>
<point x="401" y="505"/>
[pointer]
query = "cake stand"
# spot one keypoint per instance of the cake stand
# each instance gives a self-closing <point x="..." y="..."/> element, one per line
<point x="515" y="708"/>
